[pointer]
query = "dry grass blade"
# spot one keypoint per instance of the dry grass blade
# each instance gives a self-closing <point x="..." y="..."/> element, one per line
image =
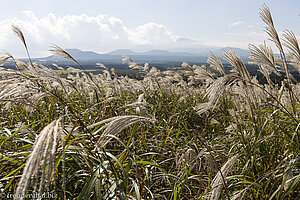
<point x="38" y="159"/>
<point x="102" y="66"/>
<point x="126" y="59"/>
<point x="57" y="51"/>
<point x="215" y="92"/>
<point x="215" y="63"/>
<point x="3" y="59"/>
<point x="237" y="63"/>
<point x="218" y="181"/>
<point x="291" y="42"/>
<point x="146" y="66"/>
<point x="266" y="16"/>
<point x="58" y="67"/>
<point x="19" y="33"/>
<point x="187" y="65"/>
<point x="263" y="55"/>
<point x="202" y="73"/>
<point x="21" y="65"/>
<point x="115" y="125"/>
<point x="266" y="74"/>
<point x="271" y="31"/>
<point x="239" y="195"/>
<point x="134" y="65"/>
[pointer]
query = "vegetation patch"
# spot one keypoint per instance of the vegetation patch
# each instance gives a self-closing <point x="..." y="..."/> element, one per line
<point x="190" y="134"/>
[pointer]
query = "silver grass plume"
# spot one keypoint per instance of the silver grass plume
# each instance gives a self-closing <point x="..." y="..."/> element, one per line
<point x="134" y="65"/>
<point x="203" y="73"/>
<point x="57" y="51"/>
<point x="3" y="59"/>
<point x="146" y="67"/>
<point x="239" y="195"/>
<point x="218" y="181"/>
<point x="58" y="67"/>
<point x="126" y="59"/>
<point x="45" y="145"/>
<point x="263" y="55"/>
<point x="187" y="65"/>
<point x="19" y="64"/>
<point x="237" y="63"/>
<point x="113" y="72"/>
<point x="271" y="31"/>
<point x="215" y="63"/>
<point x="266" y="73"/>
<point x="216" y="91"/>
<point x="266" y="16"/>
<point x="274" y="37"/>
<point x="20" y="35"/>
<point x="139" y="105"/>
<point x="101" y="66"/>
<point x="291" y="42"/>
<point x="107" y="75"/>
<point x="115" y="125"/>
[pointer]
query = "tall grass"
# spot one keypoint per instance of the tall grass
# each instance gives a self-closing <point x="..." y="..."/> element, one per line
<point x="216" y="135"/>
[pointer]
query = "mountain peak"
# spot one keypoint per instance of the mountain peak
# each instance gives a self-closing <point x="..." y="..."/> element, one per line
<point x="154" y="55"/>
<point x="122" y="52"/>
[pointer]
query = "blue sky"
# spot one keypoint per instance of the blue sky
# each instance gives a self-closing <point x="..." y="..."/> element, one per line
<point x="103" y="26"/>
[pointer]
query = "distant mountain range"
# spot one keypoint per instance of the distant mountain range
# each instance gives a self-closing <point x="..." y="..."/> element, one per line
<point x="166" y="55"/>
<point x="153" y="52"/>
<point x="154" y="56"/>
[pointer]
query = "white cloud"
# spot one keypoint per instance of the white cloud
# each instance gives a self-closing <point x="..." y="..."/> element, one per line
<point x="99" y="33"/>
<point x="241" y="40"/>
<point x="237" y="23"/>
<point x="151" y="33"/>
<point x="103" y="34"/>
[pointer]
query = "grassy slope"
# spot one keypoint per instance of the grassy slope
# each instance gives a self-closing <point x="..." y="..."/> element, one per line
<point x="103" y="136"/>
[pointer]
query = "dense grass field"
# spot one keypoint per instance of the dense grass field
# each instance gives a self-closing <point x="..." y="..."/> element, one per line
<point x="212" y="135"/>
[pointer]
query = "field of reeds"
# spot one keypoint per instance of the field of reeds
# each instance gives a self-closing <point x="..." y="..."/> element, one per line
<point x="216" y="135"/>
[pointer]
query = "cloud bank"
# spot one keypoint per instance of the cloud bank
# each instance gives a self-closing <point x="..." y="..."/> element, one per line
<point x="99" y="33"/>
<point x="104" y="33"/>
<point x="237" y="23"/>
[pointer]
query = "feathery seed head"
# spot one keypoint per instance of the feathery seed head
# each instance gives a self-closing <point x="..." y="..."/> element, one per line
<point x="19" y="34"/>
<point x="218" y="181"/>
<point x="237" y="63"/>
<point x="187" y="65"/>
<point x="126" y="59"/>
<point x="265" y="15"/>
<point x="3" y="59"/>
<point x="57" y="51"/>
<point x="101" y="65"/>
<point x="216" y="63"/>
